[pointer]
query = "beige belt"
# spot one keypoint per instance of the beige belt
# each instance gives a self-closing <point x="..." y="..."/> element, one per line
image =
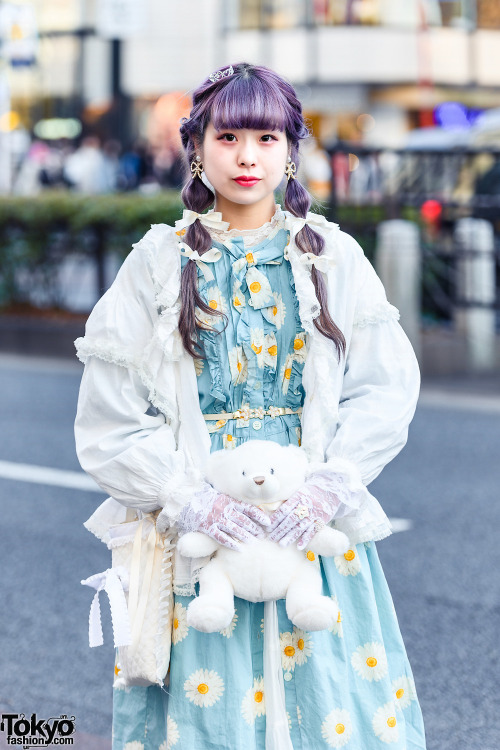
<point x="258" y="413"/>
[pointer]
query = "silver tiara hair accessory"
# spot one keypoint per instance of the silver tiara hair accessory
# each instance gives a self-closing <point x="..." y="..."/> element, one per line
<point x="221" y="74"/>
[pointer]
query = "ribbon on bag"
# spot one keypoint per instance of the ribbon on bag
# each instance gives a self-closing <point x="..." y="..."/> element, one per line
<point x="114" y="582"/>
<point x="137" y="603"/>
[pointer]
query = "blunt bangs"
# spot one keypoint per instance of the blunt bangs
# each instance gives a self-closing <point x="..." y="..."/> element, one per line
<point x="249" y="103"/>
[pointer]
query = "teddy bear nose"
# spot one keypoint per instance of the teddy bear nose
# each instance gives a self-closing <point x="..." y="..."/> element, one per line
<point x="259" y="480"/>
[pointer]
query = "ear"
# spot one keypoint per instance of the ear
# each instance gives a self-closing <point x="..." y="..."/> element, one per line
<point x="216" y="465"/>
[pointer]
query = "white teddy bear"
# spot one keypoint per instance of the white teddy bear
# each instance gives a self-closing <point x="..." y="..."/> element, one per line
<point x="264" y="474"/>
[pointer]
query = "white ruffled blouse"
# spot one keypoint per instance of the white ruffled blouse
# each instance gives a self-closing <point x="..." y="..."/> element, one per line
<point x="139" y="429"/>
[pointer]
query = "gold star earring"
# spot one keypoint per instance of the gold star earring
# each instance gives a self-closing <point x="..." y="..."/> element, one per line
<point x="290" y="169"/>
<point x="196" y="167"/>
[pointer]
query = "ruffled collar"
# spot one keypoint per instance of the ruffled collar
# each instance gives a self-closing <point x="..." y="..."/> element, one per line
<point x="219" y="231"/>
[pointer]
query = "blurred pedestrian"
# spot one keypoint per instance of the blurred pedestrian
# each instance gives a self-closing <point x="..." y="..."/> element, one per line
<point x="87" y="169"/>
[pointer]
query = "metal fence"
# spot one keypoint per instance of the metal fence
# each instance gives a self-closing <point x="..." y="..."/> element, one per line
<point x="435" y="189"/>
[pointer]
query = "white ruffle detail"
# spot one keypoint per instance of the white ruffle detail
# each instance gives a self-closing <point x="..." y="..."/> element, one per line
<point x="309" y="307"/>
<point x="250" y="237"/>
<point x="369" y="523"/>
<point x="160" y="246"/>
<point x="109" y="513"/>
<point x="177" y="492"/>
<point x="162" y="399"/>
<point x="379" y="313"/>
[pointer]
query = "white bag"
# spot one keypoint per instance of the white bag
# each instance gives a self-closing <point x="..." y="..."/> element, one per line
<point x="140" y="589"/>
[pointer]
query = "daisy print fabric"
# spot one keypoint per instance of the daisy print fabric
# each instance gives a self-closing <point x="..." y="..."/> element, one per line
<point x="348" y="687"/>
<point x="254" y="356"/>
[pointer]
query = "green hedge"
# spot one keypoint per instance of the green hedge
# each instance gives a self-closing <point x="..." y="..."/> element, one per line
<point x="36" y="232"/>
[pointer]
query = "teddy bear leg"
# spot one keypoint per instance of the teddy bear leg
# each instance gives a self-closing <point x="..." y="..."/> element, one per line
<point x="213" y="609"/>
<point x="306" y="607"/>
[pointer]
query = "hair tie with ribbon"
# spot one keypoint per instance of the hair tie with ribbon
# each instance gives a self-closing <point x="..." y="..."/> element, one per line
<point x="211" y="256"/>
<point x="320" y="262"/>
<point x="211" y="220"/>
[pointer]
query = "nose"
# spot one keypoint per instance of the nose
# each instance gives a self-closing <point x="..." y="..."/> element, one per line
<point x="246" y="157"/>
<point x="259" y="480"/>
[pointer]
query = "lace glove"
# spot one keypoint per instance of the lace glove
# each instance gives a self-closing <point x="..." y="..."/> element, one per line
<point x="222" y="518"/>
<point x="316" y="503"/>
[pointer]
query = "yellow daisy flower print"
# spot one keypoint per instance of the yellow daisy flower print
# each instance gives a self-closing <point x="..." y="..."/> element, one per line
<point x="288" y="652"/>
<point x="286" y="372"/>
<point x="270" y="351"/>
<point x="199" y="364"/>
<point x="259" y="288"/>
<point x="257" y="344"/>
<point x="229" y="441"/>
<point x="238" y="365"/>
<point x="179" y="623"/>
<point x="300" y="347"/>
<point x="337" y="728"/>
<point x="370" y="661"/>
<point x="135" y="745"/>
<point x="215" y="300"/>
<point x="204" y="687"/>
<point x="302" y="642"/>
<point x="385" y="724"/>
<point x="276" y="312"/>
<point x="254" y="702"/>
<point x="227" y="632"/>
<point x="336" y="629"/>
<point x="404" y="691"/>
<point x="238" y="298"/>
<point x="348" y="564"/>
<point x="172" y="735"/>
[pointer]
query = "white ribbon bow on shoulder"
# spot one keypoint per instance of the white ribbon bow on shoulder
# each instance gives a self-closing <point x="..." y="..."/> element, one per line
<point x="211" y="256"/>
<point x="211" y="220"/>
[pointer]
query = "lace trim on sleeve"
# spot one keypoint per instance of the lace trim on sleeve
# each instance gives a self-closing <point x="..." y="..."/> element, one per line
<point x="379" y="313"/>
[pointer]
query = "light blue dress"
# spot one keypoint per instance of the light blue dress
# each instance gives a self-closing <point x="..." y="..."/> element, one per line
<point x="351" y="686"/>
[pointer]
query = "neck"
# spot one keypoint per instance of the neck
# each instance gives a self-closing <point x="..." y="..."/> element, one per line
<point x="246" y="217"/>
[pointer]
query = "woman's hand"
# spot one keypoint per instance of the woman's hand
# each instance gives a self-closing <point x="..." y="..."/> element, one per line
<point x="222" y="518"/>
<point x="306" y="511"/>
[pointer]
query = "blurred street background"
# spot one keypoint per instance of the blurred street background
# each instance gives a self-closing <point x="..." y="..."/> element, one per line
<point x="402" y="98"/>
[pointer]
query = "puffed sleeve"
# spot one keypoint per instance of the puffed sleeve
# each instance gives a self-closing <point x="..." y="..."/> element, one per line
<point x="378" y="398"/>
<point x="125" y="423"/>
<point x="121" y="440"/>
<point x="380" y="386"/>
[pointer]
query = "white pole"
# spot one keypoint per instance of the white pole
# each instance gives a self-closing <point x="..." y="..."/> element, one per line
<point x="398" y="263"/>
<point x="476" y="284"/>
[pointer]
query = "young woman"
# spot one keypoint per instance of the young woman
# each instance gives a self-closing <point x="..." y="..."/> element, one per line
<point x="247" y="322"/>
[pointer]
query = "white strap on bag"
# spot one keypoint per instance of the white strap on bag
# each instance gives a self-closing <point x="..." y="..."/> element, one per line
<point x="114" y="582"/>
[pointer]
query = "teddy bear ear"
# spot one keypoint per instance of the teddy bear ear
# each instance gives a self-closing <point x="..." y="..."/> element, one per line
<point x="216" y="463"/>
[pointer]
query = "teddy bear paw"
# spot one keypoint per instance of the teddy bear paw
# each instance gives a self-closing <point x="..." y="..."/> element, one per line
<point x="207" y="616"/>
<point x="319" y="614"/>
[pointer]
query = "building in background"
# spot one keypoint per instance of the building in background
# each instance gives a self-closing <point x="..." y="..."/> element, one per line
<point x="365" y="70"/>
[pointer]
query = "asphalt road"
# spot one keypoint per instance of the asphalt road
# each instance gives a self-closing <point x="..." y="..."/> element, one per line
<point x="444" y="572"/>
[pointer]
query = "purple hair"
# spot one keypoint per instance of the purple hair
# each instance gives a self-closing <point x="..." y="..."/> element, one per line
<point x="257" y="98"/>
